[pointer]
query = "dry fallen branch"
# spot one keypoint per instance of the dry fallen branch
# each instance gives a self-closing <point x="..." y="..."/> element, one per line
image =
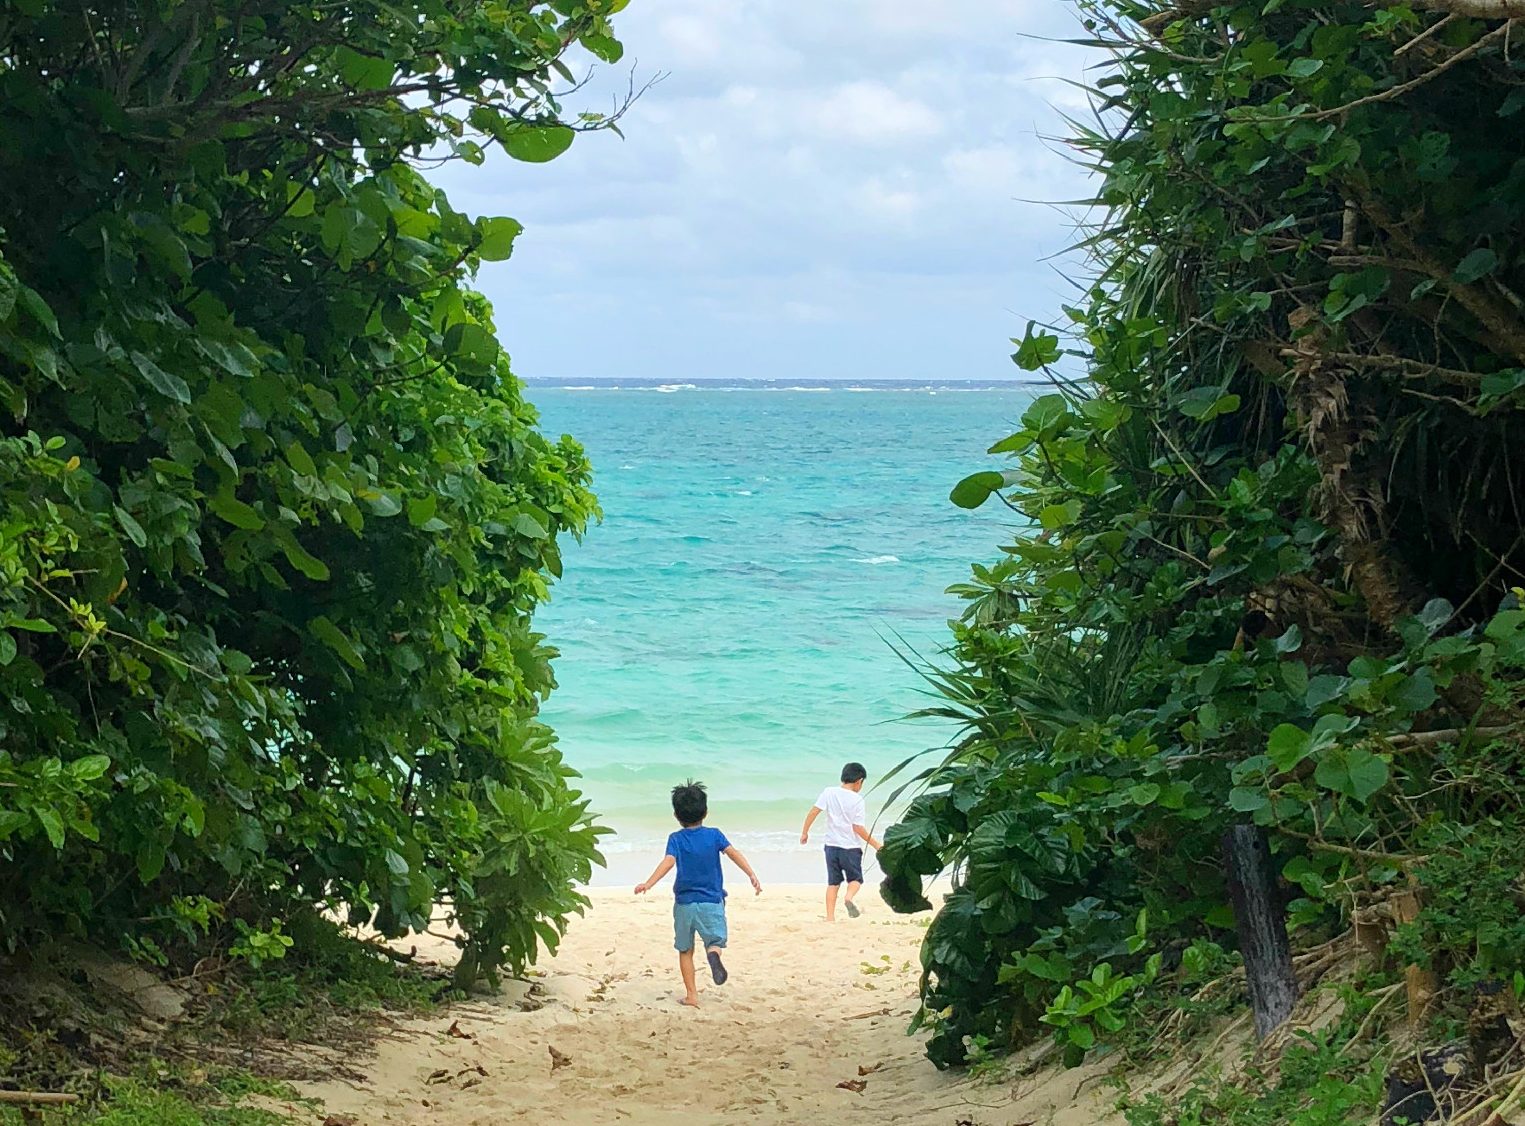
<point x="37" y="1098"/>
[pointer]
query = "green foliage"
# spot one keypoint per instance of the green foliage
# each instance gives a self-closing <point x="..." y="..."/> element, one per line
<point x="1315" y="1084"/>
<point x="273" y="512"/>
<point x="163" y="1098"/>
<point x="1265" y="541"/>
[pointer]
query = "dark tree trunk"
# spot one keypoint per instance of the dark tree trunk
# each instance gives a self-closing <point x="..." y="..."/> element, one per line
<point x="1262" y="924"/>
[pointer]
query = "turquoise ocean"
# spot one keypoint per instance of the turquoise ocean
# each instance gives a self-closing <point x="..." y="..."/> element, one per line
<point x="734" y="619"/>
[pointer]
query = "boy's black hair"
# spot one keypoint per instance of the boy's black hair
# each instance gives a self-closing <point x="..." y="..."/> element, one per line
<point x="853" y="772"/>
<point x="690" y="804"/>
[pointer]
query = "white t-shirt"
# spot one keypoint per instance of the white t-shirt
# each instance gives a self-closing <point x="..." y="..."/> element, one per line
<point x="843" y="809"/>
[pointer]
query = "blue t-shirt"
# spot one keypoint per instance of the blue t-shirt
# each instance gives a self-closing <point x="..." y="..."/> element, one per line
<point x="697" y="852"/>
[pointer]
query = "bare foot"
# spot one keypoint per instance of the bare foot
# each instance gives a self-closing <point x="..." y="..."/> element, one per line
<point x="691" y="1001"/>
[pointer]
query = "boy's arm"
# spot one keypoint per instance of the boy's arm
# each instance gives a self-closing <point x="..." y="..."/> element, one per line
<point x="662" y="869"/>
<point x="741" y="862"/>
<point x="815" y="811"/>
<point x="867" y="837"/>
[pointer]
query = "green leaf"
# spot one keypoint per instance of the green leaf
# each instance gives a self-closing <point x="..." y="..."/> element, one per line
<point x="528" y="526"/>
<point x="471" y="342"/>
<point x="1207" y="403"/>
<point x="1144" y="793"/>
<point x="298" y="556"/>
<point x="133" y="529"/>
<point x="170" y="386"/>
<point x="604" y="47"/>
<point x="421" y="509"/>
<point x="1304" y="68"/>
<point x="1035" y="349"/>
<point x="1354" y="772"/>
<point x="1478" y="264"/>
<point x="383" y="504"/>
<point x="300" y="460"/>
<point x="7" y="648"/>
<point x="364" y="72"/>
<point x="89" y="768"/>
<point x="1288" y="746"/>
<point x="32" y="302"/>
<point x="1248" y="799"/>
<point x="497" y="238"/>
<point x="52" y="825"/>
<point x="335" y="638"/>
<point x="235" y="511"/>
<point x="977" y="488"/>
<point x="535" y="144"/>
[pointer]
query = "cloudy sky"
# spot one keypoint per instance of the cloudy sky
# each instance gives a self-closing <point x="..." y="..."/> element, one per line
<point x="851" y="189"/>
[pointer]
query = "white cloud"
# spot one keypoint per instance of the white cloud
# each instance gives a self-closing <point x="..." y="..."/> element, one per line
<point x="840" y="197"/>
<point x="871" y="113"/>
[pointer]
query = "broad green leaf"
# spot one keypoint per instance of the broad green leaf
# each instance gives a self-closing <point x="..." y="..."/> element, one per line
<point x="235" y="511"/>
<point x="383" y="504"/>
<point x="301" y="460"/>
<point x="298" y="556"/>
<point x="1036" y="349"/>
<point x="1479" y="264"/>
<point x="1248" y="799"/>
<point x="1207" y="403"/>
<point x="168" y="385"/>
<point x="364" y="72"/>
<point x="535" y="143"/>
<point x="1144" y="793"/>
<point x="1354" y="772"/>
<point x="527" y="525"/>
<point x="1288" y="746"/>
<point x="52" y="825"/>
<point x="331" y="635"/>
<point x="471" y="342"/>
<point x="89" y="768"/>
<point x="133" y="529"/>
<point x="421" y="509"/>
<point x="497" y="238"/>
<point x="976" y="489"/>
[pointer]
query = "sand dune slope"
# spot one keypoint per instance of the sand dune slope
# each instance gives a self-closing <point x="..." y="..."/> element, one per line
<point x="809" y="1005"/>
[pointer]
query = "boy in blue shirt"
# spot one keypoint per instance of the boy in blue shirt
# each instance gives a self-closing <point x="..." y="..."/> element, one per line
<point x="699" y="891"/>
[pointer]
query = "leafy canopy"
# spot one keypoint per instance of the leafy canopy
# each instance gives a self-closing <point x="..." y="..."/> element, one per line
<point x="1264" y="573"/>
<point x="274" y="514"/>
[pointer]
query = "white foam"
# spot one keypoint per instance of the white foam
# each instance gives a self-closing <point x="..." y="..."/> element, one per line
<point x="878" y="560"/>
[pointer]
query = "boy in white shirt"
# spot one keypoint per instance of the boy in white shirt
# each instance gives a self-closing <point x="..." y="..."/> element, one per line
<point x="846" y="820"/>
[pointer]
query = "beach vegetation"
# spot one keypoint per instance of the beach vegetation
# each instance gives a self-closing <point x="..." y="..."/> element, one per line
<point x="1268" y="550"/>
<point x="274" y="513"/>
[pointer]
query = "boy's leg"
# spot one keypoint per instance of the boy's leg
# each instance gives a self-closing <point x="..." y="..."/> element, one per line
<point x="833" y="881"/>
<point x="683" y="941"/>
<point x="712" y="929"/>
<point x="852" y="870"/>
<point x="690" y="986"/>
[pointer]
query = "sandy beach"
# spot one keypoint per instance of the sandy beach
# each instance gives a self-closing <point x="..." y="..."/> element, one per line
<point x="598" y="1035"/>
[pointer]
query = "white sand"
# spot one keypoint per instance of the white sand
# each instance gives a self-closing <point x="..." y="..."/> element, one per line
<point x="800" y="1014"/>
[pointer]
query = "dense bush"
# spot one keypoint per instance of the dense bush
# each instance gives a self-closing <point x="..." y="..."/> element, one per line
<point x="273" y="512"/>
<point x="1269" y="537"/>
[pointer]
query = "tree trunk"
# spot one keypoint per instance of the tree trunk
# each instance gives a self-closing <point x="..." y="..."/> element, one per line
<point x="1262" y="924"/>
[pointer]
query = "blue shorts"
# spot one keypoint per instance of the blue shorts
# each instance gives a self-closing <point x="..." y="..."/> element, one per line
<point x="708" y="919"/>
<point x="844" y="864"/>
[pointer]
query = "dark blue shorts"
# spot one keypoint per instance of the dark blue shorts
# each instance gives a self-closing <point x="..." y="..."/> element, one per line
<point x="844" y="864"/>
